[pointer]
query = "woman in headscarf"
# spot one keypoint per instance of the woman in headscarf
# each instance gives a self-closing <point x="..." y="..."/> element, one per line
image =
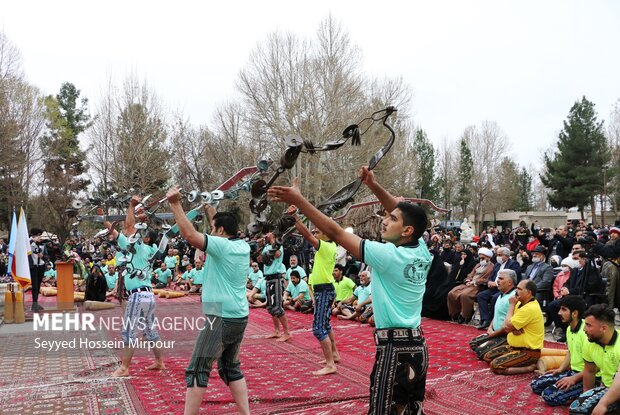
<point x="461" y="269"/>
<point x="96" y="285"/>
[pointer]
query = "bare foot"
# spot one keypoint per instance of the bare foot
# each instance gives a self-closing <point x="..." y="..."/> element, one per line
<point x="327" y="370"/>
<point x="156" y="366"/>
<point x="273" y="335"/>
<point x="336" y="359"/>
<point x="284" y="337"/>
<point x="120" y="372"/>
<point x="343" y="317"/>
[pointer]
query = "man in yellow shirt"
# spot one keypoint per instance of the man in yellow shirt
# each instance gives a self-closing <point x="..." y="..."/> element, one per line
<point x="526" y="334"/>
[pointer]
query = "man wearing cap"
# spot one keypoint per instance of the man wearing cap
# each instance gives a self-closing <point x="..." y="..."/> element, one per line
<point x="540" y="272"/>
<point x="486" y="299"/>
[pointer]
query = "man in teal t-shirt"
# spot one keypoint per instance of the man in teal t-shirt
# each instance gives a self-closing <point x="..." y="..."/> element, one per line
<point x="294" y="266"/>
<point x="273" y="255"/>
<point x="297" y="293"/>
<point x="224" y="302"/>
<point x="111" y="277"/>
<point x="162" y="276"/>
<point x="254" y="275"/>
<point x="399" y="271"/>
<point x="141" y="302"/>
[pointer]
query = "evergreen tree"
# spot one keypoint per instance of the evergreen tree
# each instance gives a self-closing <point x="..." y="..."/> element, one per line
<point x="466" y="165"/>
<point x="424" y="152"/>
<point x="524" y="202"/>
<point x="573" y="172"/>
<point x="64" y="160"/>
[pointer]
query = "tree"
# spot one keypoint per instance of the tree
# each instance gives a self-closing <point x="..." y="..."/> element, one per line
<point x="524" y="186"/>
<point x="573" y="172"/>
<point x="466" y="163"/>
<point x="424" y="154"/>
<point x="142" y="156"/>
<point x="67" y="117"/>
<point x="21" y="123"/>
<point x="613" y="173"/>
<point x="446" y="181"/>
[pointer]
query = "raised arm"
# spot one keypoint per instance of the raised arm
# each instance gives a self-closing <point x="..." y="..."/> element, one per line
<point x="191" y="235"/>
<point x="130" y="220"/>
<point x="303" y="229"/>
<point x="388" y="201"/>
<point x="291" y="195"/>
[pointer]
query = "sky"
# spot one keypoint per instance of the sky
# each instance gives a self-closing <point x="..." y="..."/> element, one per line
<point x="522" y="64"/>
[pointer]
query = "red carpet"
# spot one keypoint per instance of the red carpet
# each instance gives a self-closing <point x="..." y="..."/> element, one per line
<point x="278" y="375"/>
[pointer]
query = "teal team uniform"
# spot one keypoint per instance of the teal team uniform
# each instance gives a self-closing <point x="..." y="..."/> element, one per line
<point x="254" y="277"/>
<point x="110" y="279"/>
<point x="171" y="262"/>
<point x="163" y="276"/>
<point x="398" y="281"/>
<point x="199" y="276"/>
<point x="261" y="286"/>
<point x="295" y="290"/>
<point x="50" y="274"/>
<point x="302" y="272"/>
<point x="226" y="265"/>
<point x="362" y="293"/>
<point x="188" y="275"/>
<point x="501" y="309"/>
<point x="139" y="260"/>
<point x="276" y="265"/>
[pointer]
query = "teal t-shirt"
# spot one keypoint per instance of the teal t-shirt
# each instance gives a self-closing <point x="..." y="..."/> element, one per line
<point x="50" y="274"/>
<point x="226" y="265"/>
<point x="110" y="279"/>
<point x="398" y="281"/>
<point x="275" y="267"/>
<point x="139" y="260"/>
<point x="255" y="276"/>
<point x="362" y="293"/>
<point x="199" y="276"/>
<point x="163" y="276"/>
<point x="302" y="272"/>
<point x="261" y="286"/>
<point x="501" y="309"/>
<point x="187" y="275"/>
<point x="171" y="262"/>
<point x="295" y="290"/>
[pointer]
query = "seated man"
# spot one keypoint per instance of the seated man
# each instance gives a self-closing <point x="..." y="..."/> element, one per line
<point x="198" y="278"/>
<point x="297" y="294"/>
<point x="496" y="335"/>
<point x="49" y="276"/>
<point x="161" y="276"/>
<point x="344" y="287"/>
<point x="461" y="298"/>
<point x="487" y="298"/>
<point x="295" y="267"/>
<point x="257" y="296"/>
<point x="254" y="275"/>
<point x="526" y="334"/>
<point x="564" y="384"/>
<point x="353" y="307"/>
<point x="601" y="354"/>
<point x="111" y="278"/>
<point x="183" y="281"/>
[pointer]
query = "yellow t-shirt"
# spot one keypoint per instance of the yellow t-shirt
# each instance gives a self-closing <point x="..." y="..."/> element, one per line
<point x="324" y="261"/>
<point x="529" y="318"/>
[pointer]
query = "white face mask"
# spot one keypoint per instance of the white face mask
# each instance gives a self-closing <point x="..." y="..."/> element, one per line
<point x="536" y="259"/>
<point x="483" y="263"/>
<point x="500" y="260"/>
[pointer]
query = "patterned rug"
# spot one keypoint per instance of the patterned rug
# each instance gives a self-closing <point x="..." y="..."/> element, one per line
<point x="278" y="374"/>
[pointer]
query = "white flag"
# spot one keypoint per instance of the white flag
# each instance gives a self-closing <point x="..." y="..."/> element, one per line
<point x="20" y="267"/>
<point x="12" y="238"/>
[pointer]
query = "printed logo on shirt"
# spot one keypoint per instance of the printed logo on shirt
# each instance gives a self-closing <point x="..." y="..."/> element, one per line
<point x="416" y="274"/>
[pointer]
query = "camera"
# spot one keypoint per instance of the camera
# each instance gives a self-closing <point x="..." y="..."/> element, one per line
<point x="37" y="250"/>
